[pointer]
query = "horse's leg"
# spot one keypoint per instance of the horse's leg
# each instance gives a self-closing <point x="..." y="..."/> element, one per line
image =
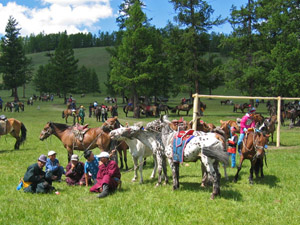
<point x="208" y="162"/>
<point x="173" y="173"/>
<point x="135" y="166"/>
<point x="121" y="159"/>
<point x="141" y="169"/>
<point x="204" y="175"/>
<point x="164" y="167"/>
<point x="177" y="174"/>
<point x="159" y="168"/>
<point x="125" y="158"/>
<point x="154" y="168"/>
<point x="238" y="169"/>
<point x="251" y="172"/>
<point x="261" y="168"/>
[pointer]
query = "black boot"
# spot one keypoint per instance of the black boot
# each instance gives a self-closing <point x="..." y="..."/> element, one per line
<point x="105" y="191"/>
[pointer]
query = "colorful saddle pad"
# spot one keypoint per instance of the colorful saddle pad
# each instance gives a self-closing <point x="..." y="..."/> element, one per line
<point x="180" y="141"/>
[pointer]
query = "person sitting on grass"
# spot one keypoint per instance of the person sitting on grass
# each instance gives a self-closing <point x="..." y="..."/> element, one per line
<point x="35" y="180"/>
<point x="90" y="166"/>
<point x="75" y="172"/>
<point x="53" y="168"/>
<point x="108" y="176"/>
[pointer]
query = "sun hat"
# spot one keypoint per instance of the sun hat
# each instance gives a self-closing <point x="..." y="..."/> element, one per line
<point x="51" y="153"/>
<point x="103" y="155"/>
<point x="42" y="158"/>
<point x="87" y="154"/>
<point x="74" y="157"/>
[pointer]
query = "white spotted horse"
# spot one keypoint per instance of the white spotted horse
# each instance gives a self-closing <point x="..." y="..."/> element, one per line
<point x="203" y="146"/>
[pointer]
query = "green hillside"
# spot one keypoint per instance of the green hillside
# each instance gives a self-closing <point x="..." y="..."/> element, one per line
<point x="96" y="58"/>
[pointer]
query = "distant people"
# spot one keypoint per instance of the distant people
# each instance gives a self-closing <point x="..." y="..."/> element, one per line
<point x="95" y="104"/>
<point x="90" y="166"/>
<point x="103" y="111"/>
<point x="81" y="114"/>
<point x="16" y="106"/>
<point x="35" y="180"/>
<point x="114" y="111"/>
<point x="108" y="176"/>
<point x="53" y="168"/>
<point x="75" y="172"/>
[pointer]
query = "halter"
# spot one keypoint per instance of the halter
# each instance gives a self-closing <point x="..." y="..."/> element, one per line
<point x="256" y="147"/>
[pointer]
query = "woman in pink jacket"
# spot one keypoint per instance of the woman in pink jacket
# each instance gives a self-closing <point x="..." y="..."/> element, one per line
<point x="246" y="122"/>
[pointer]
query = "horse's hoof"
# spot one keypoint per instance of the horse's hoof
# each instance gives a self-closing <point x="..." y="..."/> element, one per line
<point x="202" y="185"/>
<point x="157" y="185"/>
<point x="133" y="180"/>
<point x="212" y="197"/>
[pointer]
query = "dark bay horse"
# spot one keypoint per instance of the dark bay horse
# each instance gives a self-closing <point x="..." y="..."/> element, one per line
<point x="15" y="128"/>
<point x="127" y="108"/>
<point x="121" y="146"/>
<point x="253" y="149"/>
<point x="68" y="112"/>
<point x="94" y="137"/>
<point x="241" y="107"/>
<point x="183" y="107"/>
<point x="149" y="110"/>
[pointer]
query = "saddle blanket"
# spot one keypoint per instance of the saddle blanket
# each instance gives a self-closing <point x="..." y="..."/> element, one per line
<point x="180" y="141"/>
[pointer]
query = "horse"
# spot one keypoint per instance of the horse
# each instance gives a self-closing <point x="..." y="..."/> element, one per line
<point x="8" y="106"/>
<point x="97" y="113"/>
<point x="268" y="126"/>
<point x="15" y="128"/>
<point x="253" y="149"/>
<point x="68" y="112"/>
<point x="202" y="126"/>
<point x="203" y="146"/>
<point x="163" y="108"/>
<point x="226" y="125"/>
<point x="149" y="110"/>
<point x="183" y="107"/>
<point x="109" y="125"/>
<point x="241" y="107"/>
<point x="93" y="137"/>
<point x="138" y="150"/>
<point x="226" y="102"/>
<point x="127" y="108"/>
<point x="113" y="110"/>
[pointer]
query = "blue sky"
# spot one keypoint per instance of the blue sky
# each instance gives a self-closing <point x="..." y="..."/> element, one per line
<point x="53" y="16"/>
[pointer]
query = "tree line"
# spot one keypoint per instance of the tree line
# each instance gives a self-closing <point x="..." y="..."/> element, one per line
<point x="260" y="56"/>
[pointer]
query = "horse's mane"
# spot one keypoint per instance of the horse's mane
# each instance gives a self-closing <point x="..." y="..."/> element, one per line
<point x="60" y="126"/>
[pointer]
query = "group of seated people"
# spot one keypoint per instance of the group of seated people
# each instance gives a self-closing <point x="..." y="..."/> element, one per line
<point x="98" y="170"/>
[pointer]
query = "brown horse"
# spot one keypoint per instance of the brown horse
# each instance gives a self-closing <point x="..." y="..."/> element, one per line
<point x="241" y="107"/>
<point x="183" y="107"/>
<point x="14" y="127"/>
<point x="253" y="149"/>
<point x="127" y="108"/>
<point x="8" y="106"/>
<point x="202" y="126"/>
<point x="121" y="146"/>
<point x="226" y="125"/>
<point x="149" y="110"/>
<point x="93" y="137"/>
<point x="68" y="112"/>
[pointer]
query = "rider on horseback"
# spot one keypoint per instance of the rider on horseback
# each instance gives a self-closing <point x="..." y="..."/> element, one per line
<point x="246" y="122"/>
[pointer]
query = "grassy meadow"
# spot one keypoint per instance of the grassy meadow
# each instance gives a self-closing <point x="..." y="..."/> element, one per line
<point x="272" y="200"/>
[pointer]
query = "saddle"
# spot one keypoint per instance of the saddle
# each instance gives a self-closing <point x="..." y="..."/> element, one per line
<point x="80" y="130"/>
<point x="179" y="143"/>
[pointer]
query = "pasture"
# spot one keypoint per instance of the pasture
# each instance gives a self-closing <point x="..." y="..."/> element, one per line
<point x="272" y="200"/>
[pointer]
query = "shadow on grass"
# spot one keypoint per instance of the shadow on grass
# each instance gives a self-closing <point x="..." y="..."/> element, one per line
<point x="270" y="180"/>
<point x="13" y="150"/>
<point x="227" y="194"/>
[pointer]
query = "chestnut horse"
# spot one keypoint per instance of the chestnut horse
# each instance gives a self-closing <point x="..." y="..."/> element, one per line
<point x="94" y="137"/>
<point x="112" y="124"/>
<point x="15" y="128"/>
<point x="253" y="149"/>
<point x="68" y="112"/>
<point x="242" y="107"/>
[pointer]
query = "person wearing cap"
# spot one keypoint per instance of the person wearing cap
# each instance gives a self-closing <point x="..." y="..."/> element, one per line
<point x="53" y="168"/>
<point x="75" y="172"/>
<point x="90" y="166"/>
<point x="35" y="178"/>
<point x="246" y="123"/>
<point x="232" y="141"/>
<point x="108" y="176"/>
<point x="81" y="114"/>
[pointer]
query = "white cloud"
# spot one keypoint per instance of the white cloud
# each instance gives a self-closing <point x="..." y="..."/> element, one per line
<point x="56" y="16"/>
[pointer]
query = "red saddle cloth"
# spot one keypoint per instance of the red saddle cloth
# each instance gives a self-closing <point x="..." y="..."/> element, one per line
<point x="185" y="134"/>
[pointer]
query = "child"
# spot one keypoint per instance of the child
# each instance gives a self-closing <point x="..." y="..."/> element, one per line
<point x="232" y="141"/>
<point x="53" y="168"/>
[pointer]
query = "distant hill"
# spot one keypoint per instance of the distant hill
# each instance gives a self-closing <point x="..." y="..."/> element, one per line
<point x="96" y="58"/>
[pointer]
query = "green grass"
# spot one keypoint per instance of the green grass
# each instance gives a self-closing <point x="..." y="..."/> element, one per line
<point x="273" y="200"/>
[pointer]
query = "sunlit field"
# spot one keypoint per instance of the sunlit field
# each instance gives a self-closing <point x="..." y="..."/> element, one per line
<point x="272" y="200"/>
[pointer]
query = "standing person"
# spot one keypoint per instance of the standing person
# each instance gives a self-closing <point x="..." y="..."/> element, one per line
<point x="90" y="166"/>
<point x="103" y="112"/>
<point x="35" y="180"/>
<point x="53" y="167"/>
<point x="81" y="114"/>
<point x="1" y="103"/>
<point x="108" y="176"/>
<point x="91" y="109"/>
<point x="232" y="141"/>
<point x="106" y="112"/>
<point x="246" y="122"/>
<point x="75" y="172"/>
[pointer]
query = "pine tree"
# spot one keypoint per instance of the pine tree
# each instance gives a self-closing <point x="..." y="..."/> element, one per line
<point x="14" y="65"/>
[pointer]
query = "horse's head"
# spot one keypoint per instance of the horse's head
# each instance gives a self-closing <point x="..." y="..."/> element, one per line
<point x="111" y="124"/>
<point x="47" y="131"/>
<point x="119" y="133"/>
<point x="260" y="143"/>
<point x="154" y="125"/>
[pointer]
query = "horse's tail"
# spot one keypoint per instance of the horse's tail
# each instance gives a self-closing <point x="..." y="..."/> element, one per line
<point x="216" y="151"/>
<point x="23" y="133"/>
<point x="63" y="114"/>
<point x="124" y="109"/>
